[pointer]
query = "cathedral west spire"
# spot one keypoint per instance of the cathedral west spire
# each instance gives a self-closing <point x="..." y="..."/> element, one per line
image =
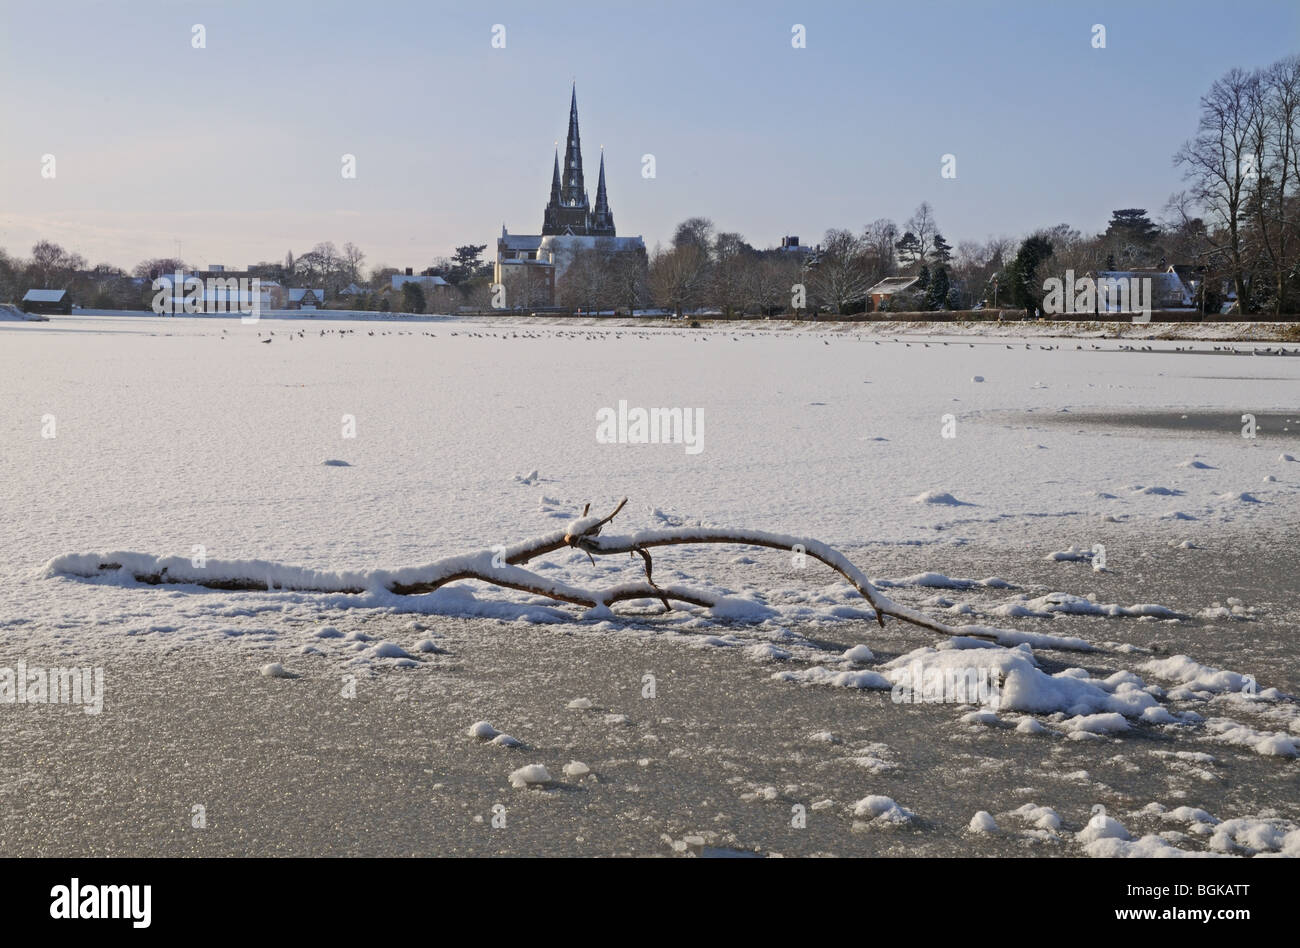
<point x="569" y="210"/>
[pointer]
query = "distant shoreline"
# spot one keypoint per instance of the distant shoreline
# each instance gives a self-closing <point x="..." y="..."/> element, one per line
<point x="1218" y="330"/>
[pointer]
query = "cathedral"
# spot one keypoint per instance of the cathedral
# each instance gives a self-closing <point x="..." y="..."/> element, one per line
<point x="569" y="211"/>
<point x="530" y="266"/>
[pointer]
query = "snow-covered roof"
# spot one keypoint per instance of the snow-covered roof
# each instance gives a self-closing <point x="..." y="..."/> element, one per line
<point x="891" y="285"/>
<point x="44" y="296"/>
<point x="1166" y="287"/>
<point x="1192" y="275"/>
<point x="401" y="278"/>
<point x="520" y="241"/>
<point x="296" y="295"/>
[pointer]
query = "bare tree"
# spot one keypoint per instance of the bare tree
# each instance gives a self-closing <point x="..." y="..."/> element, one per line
<point x="917" y="241"/>
<point x="353" y="258"/>
<point x="727" y="286"/>
<point x="322" y="264"/>
<point x="1273" y="129"/>
<point x="158" y="266"/>
<point x="1070" y="251"/>
<point x="526" y="286"/>
<point x="381" y="277"/>
<point x="627" y="279"/>
<point x="51" y="264"/>
<point x="694" y="230"/>
<point x="9" y="273"/>
<point x="584" y="284"/>
<point x="1218" y="161"/>
<point x="678" y="276"/>
<point x="840" y="277"/>
<point x="880" y="238"/>
<point x="769" y="279"/>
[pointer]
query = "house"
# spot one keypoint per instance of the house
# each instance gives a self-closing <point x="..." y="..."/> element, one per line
<point x="517" y="249"/>
<point x="881" y="293"/>
<point x="301" y="298"/>
<point x="353" y="290"/>
<point x="529" y="280"/>
<point x="214" y="290"/>
<point x="439" y="295"/>
<point x="274" y="296"/>
<point x="426" y="280"/>
<point x="47" y="301"/>
<point x="1167" y="289"/>
<point x="1191" y="276"/>
<point x="791" y="249"/>
<point x="792" y="245"/>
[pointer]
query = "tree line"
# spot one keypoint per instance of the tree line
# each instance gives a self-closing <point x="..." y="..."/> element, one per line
<point x="324" y="266"/>
<point x="1236" y="225"/>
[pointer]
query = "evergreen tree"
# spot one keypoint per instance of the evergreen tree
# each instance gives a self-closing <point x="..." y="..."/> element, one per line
<point x="910" y="250"/>
<point x="1022" y="276"/>
<point x="466" y="263"/>
<point x="412" y="298"/>
<point x="1132" y="224"/>
<point x="942" y="251"/>
<point x="936" y="296"/>
<point x="1132" y="233"/>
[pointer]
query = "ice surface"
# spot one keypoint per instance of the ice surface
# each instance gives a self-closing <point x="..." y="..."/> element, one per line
<point x="457" y="436"/>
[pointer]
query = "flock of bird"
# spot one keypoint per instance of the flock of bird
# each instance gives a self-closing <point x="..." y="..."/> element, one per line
<point x="1223" y="350"/>
<point x="592" y="335"/>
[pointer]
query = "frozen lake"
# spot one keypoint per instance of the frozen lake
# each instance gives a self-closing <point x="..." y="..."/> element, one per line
<point x="160" y="436"/>
<point x="187" y="431"/>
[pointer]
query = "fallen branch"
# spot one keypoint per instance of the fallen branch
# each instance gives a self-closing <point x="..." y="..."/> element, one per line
<point x="501" y="566"/>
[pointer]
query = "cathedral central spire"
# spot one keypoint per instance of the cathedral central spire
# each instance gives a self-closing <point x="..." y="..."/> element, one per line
<point x="575" y="189"/>
<point x="569" y="210"/>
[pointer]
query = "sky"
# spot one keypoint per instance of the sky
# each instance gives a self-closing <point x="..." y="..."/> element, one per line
<point x="232" y="153"/>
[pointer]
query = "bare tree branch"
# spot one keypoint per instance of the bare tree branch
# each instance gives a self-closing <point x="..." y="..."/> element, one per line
<point x="501" y="566"/>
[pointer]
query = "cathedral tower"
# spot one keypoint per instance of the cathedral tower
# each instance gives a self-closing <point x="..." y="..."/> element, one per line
<point x="569" y="210"/>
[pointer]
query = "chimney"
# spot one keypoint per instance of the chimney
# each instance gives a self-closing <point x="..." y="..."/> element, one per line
<point x="408" y="271"/>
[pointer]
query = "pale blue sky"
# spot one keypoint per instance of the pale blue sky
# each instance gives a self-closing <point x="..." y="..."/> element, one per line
<point x="234" y="150"/>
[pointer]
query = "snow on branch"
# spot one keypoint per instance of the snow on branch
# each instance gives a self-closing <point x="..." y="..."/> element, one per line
<point x="501" y="566"/>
